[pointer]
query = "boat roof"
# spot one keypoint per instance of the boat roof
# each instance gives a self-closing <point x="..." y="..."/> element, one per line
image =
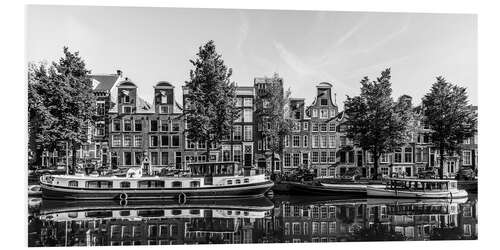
<point x="213" y="162"/>
<point x="419" y="180"/>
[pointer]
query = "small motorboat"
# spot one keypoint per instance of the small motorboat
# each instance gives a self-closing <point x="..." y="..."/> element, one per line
<point x="34" y="190"/>
<point x="417" y="188"/>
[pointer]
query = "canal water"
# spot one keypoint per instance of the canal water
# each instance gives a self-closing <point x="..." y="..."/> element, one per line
<point x="282" y="219"/>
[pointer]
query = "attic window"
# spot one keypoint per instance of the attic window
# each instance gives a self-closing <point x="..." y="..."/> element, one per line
<point x="126" y="96"/>
<point x="323" y="102"/>
<point x="163" y="97"/>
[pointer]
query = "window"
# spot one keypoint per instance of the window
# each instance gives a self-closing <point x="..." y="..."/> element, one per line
<point x="247" y="102"/>
<point x="127" y="158"/>
<point x="127" y="125"/>
<point x="248" y="133"/>
<point x="324" y="141"/>
<point x="137" y="140"/>
<point x="100" y="108"/>
<point x="153" y="141"/>
<point x="296" y="159"/>
<point x="296" y="141"/>
<point x="331" y="158"/>
<point x="305" y="126"/>
<point x="164" y="158"/>
<point x="165" y="140"/>
<point x="323" y="113"/>
<point x="247" y="115"/>
<point x="137" y="125"/>
<point x="343" y="141"/>
<point x="385" y="170"/>
<point x="467" y="157"/>
<point x="287" y="141"/>
<point x="467" y="141"/>
<point x="237" y="133"/>
<point x="306" y="141"/>
<point x="151" y="184"/>
<point x="127" y="110"/>
<point x="246" y="180"/>
<point x="315" y="227"/>
<point x="194" y="184"/>
<point x="398" y="155"/>
<point x="238" y="181"/>
<point x="176" y="127"/>
<point x="315" y="143"/>
<point x="331" y="141"/>
<point x="315" y="157"/>
<point x="175" y="141"/>
<point x="305" y="159"/>
<point x="323" y="157"/>
<point x="408" y="155"/>
<point x="125" y="184"/>
<point x="315" y="127"/>
<point x="127" y="140"/>
<point x="322" y="127"/>
<point x="164" y="125"/>
<point x="314" y="113"/>
<point x="116" y="125"/>
<point x="296" y="228"/>
<point x="116" y="141"/>
<point x="154" y="158"/>
<point x="165" y="109"/>
<point x="229" y="182"/>
<point x="73" y="183"/>
<point x="287" y="159"/>
<point x="138" y="158"/>
<point x="384" y="158"/>
<point x="153" y="125"/>
<point x="323" y="101"/>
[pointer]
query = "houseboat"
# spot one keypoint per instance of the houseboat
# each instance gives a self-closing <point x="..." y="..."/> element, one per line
<point x="204" y="180"/>
<point x="417" y="188"/>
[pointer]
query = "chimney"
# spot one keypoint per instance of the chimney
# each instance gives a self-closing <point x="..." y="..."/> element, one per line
<point x="119" y="72"/>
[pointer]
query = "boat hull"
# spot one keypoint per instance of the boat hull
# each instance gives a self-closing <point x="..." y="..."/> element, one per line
<point x="301" y="188"/>
<point x="382" y="192"/>
<point x="69" y="193"/>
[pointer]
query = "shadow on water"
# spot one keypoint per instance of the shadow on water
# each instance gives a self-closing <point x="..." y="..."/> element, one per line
<point x="283" y="219"/>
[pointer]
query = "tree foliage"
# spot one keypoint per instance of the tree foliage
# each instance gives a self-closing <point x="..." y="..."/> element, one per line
<point x="61" y="104"/>
<point x="211" y="98"/>
<point x="449" y="116"/>
<point x="274" y="111"/>
<point x="374" y="120"/>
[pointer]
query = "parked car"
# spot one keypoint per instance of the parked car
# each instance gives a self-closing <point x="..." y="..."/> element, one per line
<point x="466" y="174"/>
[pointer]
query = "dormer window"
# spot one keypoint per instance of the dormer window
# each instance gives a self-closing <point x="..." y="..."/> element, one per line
<point x="163" y="97"/>
<point x="125" y="96"/>
<point x="127" y="109"/>
<point x="324" y="102"/>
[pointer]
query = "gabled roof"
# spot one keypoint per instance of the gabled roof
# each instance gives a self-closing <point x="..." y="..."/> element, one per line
<point x="104" y="82"/>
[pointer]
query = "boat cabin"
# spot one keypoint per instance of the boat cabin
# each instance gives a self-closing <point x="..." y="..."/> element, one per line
<point x="421" y="184"/>
<point x="204" y="169"/>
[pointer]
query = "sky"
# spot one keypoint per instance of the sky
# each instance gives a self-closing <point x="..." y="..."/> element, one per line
<point x="303" y="47"/>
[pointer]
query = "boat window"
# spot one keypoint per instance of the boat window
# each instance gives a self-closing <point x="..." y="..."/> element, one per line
<point x="73" y="214"/>
<point x="194" y="211"/>
<point x="99" y="214"/>
<point x="238" y="181"/>
<point x="125" y="213"/>
<point x="176" y="184"/>
<point x="176" y="212"/>
<point x="229" y="182"/>
<point x="194" y="184"/>
<point x="99" y="184"/>
<point x="73" y="183"/>
<point x="246" y="180"/>
<point x="151" y="213"/>
<point x="151" y="184"/>
<point x="125" y="184"/>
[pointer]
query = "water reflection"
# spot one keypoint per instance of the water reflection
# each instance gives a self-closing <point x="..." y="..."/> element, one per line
<point x="284" y="219"/>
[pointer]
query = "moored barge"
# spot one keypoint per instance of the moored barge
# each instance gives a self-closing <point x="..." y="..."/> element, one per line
<point x="208" y="180"/>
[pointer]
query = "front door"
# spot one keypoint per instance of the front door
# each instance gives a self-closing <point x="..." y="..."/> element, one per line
<point x="408" y="171"/>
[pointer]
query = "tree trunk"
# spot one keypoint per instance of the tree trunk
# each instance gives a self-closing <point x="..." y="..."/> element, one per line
<point x="272" y="161"/>
<point x="73" y="160"/>
<point x="441" y="161"/>
<point x="37" y="161"/>
<point x="375" y="165"/>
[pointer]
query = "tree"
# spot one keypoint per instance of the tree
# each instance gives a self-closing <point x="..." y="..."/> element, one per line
<point x="274" y="112"/>
<point x="211" y="98"/>
<point x="449" y="116"/>
<point x="374" y="120"/>
<point x="40" y="118"/>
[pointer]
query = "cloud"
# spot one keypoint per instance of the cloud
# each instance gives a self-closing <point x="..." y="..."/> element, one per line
<point x="243" y="32"/>
<point x="293" y="61"/>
